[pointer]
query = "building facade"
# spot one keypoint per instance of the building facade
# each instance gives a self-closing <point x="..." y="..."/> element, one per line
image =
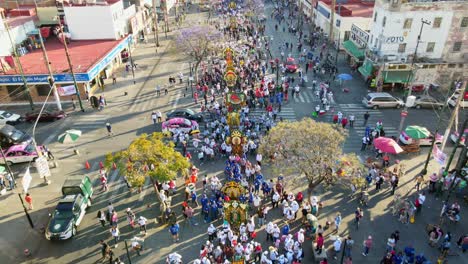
<point x="441" y="52"/>
<point x="96" y="21"/>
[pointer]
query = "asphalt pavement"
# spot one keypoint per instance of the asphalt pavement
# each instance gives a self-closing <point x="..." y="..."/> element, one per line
<point x="130" y="117"/>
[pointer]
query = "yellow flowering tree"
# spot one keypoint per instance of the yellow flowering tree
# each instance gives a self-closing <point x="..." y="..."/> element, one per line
<point x="310" y="148"/>
<point x="149" y="156"/>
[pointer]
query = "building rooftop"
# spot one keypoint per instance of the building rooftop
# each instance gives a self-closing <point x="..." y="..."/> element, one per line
<point x="352" y="8"/>
<point x="84" y="54"/>
<point x="16" y="21"/>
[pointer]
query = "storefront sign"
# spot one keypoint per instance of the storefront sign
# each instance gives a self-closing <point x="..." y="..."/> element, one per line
<point x="43" y="78"/>
<point x="400" y="39"/>
<point x="66" y="90"/>
<point x="359" y="36"/>
<point x="65" y="77"/>
<point x="322" y="10"/>
<point x="109" y="57"/>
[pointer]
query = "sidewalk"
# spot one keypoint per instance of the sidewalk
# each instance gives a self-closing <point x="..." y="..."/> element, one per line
<point x="16" y="233"/>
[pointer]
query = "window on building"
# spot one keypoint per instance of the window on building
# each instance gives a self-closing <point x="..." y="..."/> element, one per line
<point x="432" y="66"/>
<point x="457" y="46"/>
<point x="408" y="23"/>
<point x="402" y="47"/>
<point x="451" y="65"/>
<point x="16" y="93"/>
<point x="430" y="47"/>
<point x="384" y="21"/>
<point x="437" y="22"/>
<point x="375" y="16"/>
<point x="42" y="89"/>
<point x="464" y="22"/>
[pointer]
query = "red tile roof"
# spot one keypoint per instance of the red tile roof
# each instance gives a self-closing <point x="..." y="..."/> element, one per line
<point x="84" y="54"/>
<point x="353" y="8"/>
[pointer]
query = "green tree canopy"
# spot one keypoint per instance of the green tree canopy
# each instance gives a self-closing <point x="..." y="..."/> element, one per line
<point x="311" y="148"/>
<point x="149" y="155"/>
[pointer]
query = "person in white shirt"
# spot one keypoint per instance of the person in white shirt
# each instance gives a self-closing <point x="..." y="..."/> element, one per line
<point x="336" y="247"/>
<point x="115" y="234"/>
<point x="142" y="223"/>
<point x="258" y="158"/>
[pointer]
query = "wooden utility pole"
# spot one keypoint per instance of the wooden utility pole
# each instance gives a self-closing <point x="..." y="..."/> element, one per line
<point x="462" y="87"/>
<point x="332" y="19"/>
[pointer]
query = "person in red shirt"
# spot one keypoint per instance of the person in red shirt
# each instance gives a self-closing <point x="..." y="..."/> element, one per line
<point x="335" y="119"/>
<point x="344" y="122"/>
<point x="29" y="200"/>
<point x="319" y="241"/>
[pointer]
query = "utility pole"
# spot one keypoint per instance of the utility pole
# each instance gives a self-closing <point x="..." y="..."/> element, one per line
<point x="18" y="62"/>
<point x="460" y="136"/>
<point x="70" y="64"/>
<point x="51" y="75"/>
<point x="332" y="19"/>
<point x="410" y="75"/>
<point x="462" y="87"/>
<point x="155" y="24"/>
<point x="439" y="123"/>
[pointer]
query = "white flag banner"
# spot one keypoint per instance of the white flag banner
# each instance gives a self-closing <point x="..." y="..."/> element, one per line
<point x="26" y="181"/>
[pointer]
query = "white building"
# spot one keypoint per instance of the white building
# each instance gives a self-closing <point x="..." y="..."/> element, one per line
<point x="442" y="53"/>
<point x="395" y="33"/>
<point x="102" y="20"/>
<point x="352" y="12"/>
<point x="19" y="27"/>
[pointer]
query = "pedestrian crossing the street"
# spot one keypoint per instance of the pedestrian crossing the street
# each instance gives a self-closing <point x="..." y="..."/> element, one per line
<point x="305" y="96"/>
<point x="287" y="113"/>
<point x="374" y="116"/>
<point x="358" y="131"/>
<point x="148" y="101"/>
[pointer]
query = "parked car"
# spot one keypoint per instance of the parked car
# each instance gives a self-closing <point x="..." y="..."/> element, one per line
<point x="382" y="100"/>
<point x="179" y="124"/>
<point x="10" y="136"/>
<point x="46" y="116"/>
<point x="454" y="137"/>
<point x="70" y="210"/>
<point x="20" y="153"/>
<point x="405" y="139"/>
<point x="9" y="118"/>
<point x="427" y="101"/>
<point x="291" y="65"/>
<point x="185" y="113"/>
<point x="454" y="98"/>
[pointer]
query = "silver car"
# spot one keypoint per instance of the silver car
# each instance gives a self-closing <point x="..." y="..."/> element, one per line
<point x="427" y="102"/>
<point x="382" y="100"/>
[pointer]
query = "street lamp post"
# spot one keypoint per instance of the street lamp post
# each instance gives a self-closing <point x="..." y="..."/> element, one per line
<point x="410" y="75"/>
<point x="155" y="22"/>
<point x="70" y="64"/>
<point x="26" y="211"/>
<point x="128" y="253"/>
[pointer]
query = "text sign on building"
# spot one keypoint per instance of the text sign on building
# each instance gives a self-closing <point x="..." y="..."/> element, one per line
<point x="359" y="36"/>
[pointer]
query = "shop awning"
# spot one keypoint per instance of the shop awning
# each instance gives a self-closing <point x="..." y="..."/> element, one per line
<point x="353" y="50"/>
<point x="396" y="76"/>
<point x="366" y="68"/>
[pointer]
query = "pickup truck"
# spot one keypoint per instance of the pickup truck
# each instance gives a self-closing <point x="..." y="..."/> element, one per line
<point x="70" y="210"/>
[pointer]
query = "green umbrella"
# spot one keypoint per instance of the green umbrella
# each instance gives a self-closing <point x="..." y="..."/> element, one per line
<point x="69" y="136"/>
<point x="417" y="132"/>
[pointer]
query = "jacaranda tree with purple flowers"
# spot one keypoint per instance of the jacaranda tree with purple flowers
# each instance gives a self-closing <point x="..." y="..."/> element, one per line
<point x="197" y="42"/>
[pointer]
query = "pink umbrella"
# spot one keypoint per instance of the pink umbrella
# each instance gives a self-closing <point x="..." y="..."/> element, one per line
<point x="387" y="145"/>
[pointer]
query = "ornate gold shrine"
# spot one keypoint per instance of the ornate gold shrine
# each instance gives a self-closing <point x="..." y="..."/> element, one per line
<point x="235" y="212"/>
